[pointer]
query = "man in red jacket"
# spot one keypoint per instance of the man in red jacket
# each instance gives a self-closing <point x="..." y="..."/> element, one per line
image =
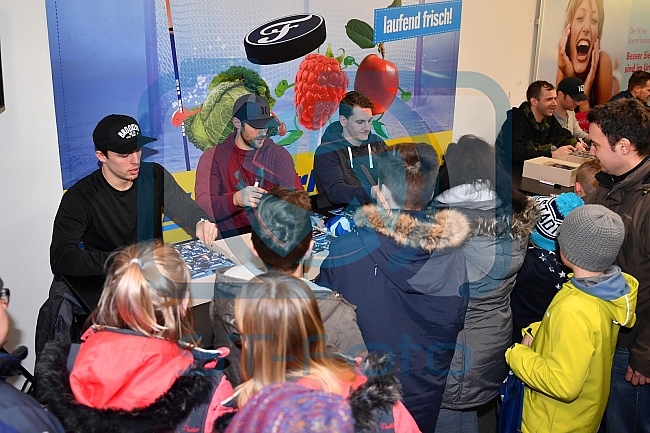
<point x="232" y="176"/>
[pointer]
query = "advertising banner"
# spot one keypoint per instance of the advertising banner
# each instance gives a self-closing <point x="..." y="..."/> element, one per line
<point x="600" y="41"/>
<point x="178" y="66"/>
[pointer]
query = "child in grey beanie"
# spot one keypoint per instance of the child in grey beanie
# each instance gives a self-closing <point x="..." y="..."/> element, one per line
<point x="566" y="359"/>
<point x="591" y="237"/>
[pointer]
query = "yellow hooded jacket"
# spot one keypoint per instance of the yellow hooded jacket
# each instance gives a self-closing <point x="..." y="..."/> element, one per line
<point x="567" y="369"/>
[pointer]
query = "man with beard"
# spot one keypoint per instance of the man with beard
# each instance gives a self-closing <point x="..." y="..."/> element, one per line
<point x="530" y="130"/>
<point x="232" y="176"/>
<point x="570" y="92"/>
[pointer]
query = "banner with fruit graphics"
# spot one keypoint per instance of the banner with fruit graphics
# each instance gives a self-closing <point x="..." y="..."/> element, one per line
<point x="178" y="65"/>
<point x="600" y="41"/>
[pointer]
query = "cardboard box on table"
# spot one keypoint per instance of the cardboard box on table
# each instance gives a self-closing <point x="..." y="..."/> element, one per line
<point x="574" y="157"/>
<point x="551" y="171"/>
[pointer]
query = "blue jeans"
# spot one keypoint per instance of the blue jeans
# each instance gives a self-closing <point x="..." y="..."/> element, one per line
<point x="628" y="406"/>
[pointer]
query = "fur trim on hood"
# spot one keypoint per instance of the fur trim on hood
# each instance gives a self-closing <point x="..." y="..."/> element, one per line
<point x="379" y="394"/>
<point x="164" y="415"/>
<point x="502" y="223"/>
<point x="443" y="229"/>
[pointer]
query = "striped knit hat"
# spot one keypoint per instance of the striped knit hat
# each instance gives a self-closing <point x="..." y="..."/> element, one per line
<point x="553" y="211"/>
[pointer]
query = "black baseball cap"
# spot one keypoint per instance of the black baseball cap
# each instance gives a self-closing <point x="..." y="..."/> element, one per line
<point x="254" y="110"/>
<point x="120" y="134"/>
<point x="574" y="87"/>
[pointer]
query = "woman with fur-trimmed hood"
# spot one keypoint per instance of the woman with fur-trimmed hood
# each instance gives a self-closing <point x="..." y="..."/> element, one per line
<point x="501" y="219"/>
<point x="405" y="272"/>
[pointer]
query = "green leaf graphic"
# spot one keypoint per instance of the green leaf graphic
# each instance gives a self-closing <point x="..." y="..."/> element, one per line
<point x="380" y="129"/>
<point x="282" y="87"/>
<point x="395" y="4"/>
<point x="291" y="137"/>
<point x="361" y="33"/>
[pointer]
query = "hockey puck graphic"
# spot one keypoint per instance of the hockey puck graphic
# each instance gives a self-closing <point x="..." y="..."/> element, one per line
<point x="285" y="39"/>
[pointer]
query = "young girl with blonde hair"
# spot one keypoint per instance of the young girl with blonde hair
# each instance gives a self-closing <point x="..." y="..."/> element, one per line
<point x="138" y="367"/>
<point x="283" y="340"/>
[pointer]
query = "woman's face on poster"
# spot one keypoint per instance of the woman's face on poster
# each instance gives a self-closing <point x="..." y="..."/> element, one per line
<point x="584" y="32"/>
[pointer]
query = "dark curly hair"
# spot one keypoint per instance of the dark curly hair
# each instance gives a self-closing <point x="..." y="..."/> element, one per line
<point x="535" y="89"/>
<point x="624" y="118"/>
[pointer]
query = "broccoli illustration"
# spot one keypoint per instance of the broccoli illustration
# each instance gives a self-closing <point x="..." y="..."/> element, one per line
<point x="213" y="122"/>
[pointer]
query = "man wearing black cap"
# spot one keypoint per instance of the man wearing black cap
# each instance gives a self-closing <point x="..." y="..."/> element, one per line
<point x="570" y="91"/>
<point x="232" y="176"/>
<point x="119" y="204"/>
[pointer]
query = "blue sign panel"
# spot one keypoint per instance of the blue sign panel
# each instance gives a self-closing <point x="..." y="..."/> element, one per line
<point x="392" y="24"/>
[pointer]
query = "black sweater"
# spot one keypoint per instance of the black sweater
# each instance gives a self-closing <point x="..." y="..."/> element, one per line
<point x="103" y="219"/>
<point x="338" y="179"/>
<point x="526" y="138"/>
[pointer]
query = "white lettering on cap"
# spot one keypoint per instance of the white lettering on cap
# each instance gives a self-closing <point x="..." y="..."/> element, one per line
<point x="129" y="131"/>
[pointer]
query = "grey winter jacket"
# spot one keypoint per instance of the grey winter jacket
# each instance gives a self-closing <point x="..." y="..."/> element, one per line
<point x="339" y="318"/>
<point x="494" y="255"/>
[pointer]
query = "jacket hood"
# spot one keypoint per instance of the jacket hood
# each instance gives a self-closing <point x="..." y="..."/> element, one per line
<point x="414" y="253"/>
<point x="102" y="380"/>
<point x="162" y="415"/>
<point x="426" y="230"/>
<point x="540" y="126"/>
<point x="376" y="396"/>
<point x="479" y="196"/>
<point x="498" y="243"/>
<point x="618" y="291"/>
<point x="333" y="135"/>
<point x="487" y="216"/>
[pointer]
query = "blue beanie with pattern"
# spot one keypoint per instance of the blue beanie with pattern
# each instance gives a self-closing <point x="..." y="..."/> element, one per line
<point x="553" y="211"/>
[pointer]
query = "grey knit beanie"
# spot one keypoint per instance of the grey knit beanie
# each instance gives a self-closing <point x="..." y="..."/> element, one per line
<point x="591" y="236"/>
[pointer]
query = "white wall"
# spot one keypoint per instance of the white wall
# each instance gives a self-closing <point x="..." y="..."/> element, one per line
<point x="496" y="41"/>
<point x="30" y="174"/>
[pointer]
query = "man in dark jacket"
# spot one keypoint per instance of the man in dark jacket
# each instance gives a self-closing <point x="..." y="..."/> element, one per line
<point x="638" y="86"/>
<point x="620" y="134"/>
<point x="346" y="148"/>
<point x="531" y="130"/>
<point x="404" y="270"/>
<point x="117" y="205"/>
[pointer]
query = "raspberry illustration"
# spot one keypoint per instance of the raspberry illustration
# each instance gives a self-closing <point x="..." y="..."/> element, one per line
<point x="320" y="86"/>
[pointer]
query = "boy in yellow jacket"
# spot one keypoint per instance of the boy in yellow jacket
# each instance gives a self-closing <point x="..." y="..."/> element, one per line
<point x="566" y="359"/>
